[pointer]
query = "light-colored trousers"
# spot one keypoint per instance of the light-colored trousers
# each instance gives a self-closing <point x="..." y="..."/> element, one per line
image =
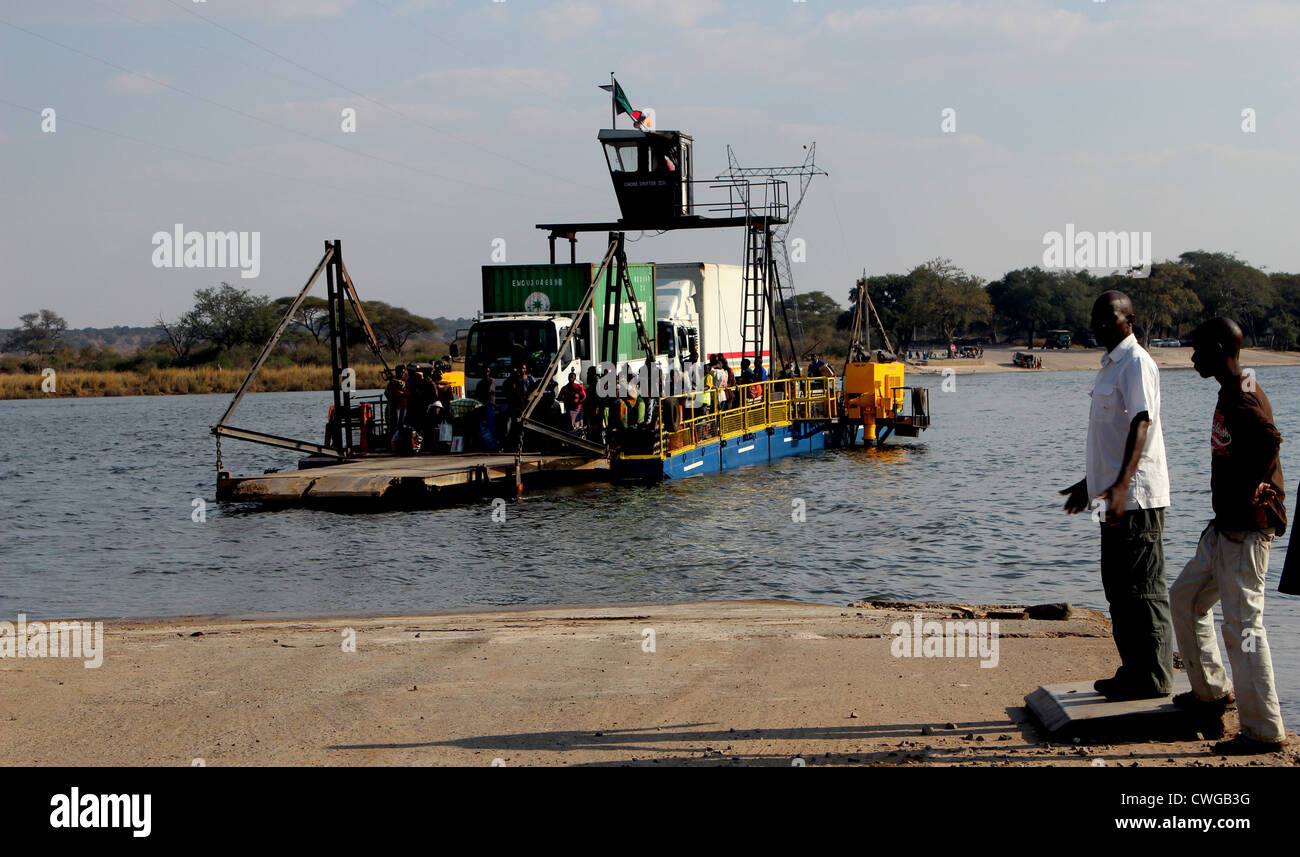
<point x="1229" y="568"/>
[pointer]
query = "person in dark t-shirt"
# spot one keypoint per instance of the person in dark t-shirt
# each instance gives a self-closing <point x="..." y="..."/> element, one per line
<point x="1231" y="560"/>
<point x="1245" y="469"/>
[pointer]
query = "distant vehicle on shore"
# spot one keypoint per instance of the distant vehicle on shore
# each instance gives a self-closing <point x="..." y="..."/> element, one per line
<point x="1057" y="339"/>
<point x="1024" y="360"/>
<point x="1166" y="343"/>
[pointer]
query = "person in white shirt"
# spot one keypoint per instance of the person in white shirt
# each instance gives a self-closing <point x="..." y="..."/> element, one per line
<point x="1127" y="488"/>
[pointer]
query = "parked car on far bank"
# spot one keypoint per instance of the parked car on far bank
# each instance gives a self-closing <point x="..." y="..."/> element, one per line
<point x="1057" y="339"/>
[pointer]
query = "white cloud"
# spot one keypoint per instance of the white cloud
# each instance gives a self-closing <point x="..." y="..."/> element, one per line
<point x="482" y="82"/>
<point x="560" y="124"/>
<point x="841" y="149"/>
<point x="748" y="52"/>
<point x="700" y="120"/>
<point x="568" y="18"/>
<point x="1239" y="19"/>
<point x="326" y="115"/>
<point x="292" y="9"/>
<point x="1023" y="21"/>
<point x="136" y="84"/>
<point x="1040" y="23"/>
<point x="280" y="10"/>
<point x="155" y="11"/>
<point x="678" y="13"/>
<point x="1242" y="161"/>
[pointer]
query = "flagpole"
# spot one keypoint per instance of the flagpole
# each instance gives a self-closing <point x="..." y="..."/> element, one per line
<point x="613" y="101"/>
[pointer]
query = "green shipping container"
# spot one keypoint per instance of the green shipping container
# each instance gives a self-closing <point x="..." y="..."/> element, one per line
<point x="529" y="289"/>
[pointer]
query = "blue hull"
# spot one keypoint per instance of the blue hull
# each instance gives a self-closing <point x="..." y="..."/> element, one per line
<point x="761" y="447"/>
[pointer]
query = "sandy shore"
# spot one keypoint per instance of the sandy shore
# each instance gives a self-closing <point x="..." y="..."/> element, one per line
<point x="998" y="359"/>
<point x="726" y="683"/>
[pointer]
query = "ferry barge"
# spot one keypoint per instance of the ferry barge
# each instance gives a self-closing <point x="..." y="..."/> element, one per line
<point x="653" y="321"/>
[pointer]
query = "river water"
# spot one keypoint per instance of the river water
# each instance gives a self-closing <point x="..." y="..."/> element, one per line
<point x="98" y="518"/>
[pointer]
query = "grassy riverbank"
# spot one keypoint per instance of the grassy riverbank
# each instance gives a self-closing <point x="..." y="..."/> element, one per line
<point x="171" y="382"/>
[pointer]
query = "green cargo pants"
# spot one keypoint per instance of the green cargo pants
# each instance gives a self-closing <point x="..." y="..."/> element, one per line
<point x="1133" y="576"/>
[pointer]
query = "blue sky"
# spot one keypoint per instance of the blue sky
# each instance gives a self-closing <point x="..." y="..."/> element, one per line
<point x="476" y="120"/>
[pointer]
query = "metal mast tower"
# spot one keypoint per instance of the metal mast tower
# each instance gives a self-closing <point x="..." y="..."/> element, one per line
<point x="780" y="251"/>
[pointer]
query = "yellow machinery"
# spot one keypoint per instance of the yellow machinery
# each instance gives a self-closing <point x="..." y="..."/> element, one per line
<point x="874" y="392"/>
<point x="454" y="381"/>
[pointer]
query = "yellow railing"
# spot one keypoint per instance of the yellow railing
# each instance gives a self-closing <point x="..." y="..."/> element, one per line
<point x="777" y="403"/>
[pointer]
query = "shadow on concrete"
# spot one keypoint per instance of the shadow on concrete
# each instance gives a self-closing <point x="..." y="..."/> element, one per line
<point x="991" y="742"/>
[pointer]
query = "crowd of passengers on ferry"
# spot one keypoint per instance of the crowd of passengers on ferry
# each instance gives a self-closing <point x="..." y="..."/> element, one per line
<point x="424" y="417"/>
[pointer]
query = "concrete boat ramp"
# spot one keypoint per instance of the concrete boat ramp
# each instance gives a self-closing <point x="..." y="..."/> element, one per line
<point x="412" y="480"/>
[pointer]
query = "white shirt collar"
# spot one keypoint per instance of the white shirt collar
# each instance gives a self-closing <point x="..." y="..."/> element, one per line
<point x="1125" y="347"/>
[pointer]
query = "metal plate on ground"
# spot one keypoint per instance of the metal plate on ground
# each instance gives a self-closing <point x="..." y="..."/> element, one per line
<point x="1076" y="707"/>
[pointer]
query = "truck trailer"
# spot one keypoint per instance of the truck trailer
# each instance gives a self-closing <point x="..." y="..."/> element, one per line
<point x="528" y="309"/>
<point x="704" y="303"/>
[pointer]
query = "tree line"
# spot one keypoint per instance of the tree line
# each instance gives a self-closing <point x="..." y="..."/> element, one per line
<point x="227" y="327"/>
<point x="227" y="318"/>
<point x="939" y="302"/>
<point x="934" y="302"/>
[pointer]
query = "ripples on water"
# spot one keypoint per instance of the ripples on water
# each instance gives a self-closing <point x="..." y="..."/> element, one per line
<point x="96" y="497"/>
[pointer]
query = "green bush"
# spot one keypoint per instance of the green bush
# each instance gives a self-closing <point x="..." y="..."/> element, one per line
<point x="309" y="354"/>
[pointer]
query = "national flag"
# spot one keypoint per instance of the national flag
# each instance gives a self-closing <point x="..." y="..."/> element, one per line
<point x="622" y="105"/>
